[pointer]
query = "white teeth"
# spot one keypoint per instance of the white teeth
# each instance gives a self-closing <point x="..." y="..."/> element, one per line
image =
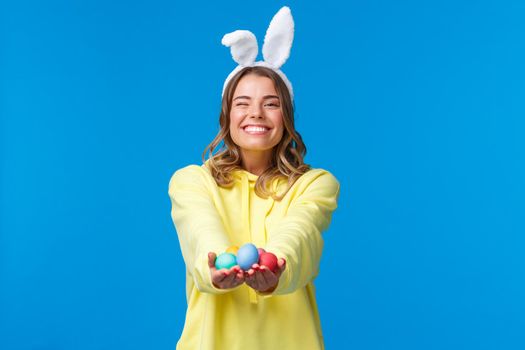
<point x="255" y="128"/>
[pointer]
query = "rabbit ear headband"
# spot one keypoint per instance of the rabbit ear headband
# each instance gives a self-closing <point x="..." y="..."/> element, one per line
<point x="276" y="47"/>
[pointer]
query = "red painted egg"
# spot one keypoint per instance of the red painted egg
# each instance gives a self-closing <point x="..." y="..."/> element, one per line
<point x="269" y="260"/>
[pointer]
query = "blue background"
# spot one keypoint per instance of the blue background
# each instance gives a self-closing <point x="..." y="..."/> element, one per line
<point x="417" y="107"/>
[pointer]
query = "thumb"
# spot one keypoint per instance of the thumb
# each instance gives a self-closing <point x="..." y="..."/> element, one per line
<point x="211" y="259"/>
<point x="282" y="264"/>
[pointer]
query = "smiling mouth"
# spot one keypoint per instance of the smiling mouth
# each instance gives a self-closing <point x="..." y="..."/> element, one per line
<point x="256" y="130"/>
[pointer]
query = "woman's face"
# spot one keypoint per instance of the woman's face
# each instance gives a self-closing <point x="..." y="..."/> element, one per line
<point x="255" y="103"/>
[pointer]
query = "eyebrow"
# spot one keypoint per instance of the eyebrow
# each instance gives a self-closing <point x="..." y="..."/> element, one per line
<point x="249" y="98"/>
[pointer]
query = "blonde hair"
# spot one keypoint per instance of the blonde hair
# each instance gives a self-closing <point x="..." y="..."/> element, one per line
<point x="288" y="155"/>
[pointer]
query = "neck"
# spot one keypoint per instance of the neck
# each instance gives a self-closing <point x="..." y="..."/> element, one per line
<point x="256" y="162"/>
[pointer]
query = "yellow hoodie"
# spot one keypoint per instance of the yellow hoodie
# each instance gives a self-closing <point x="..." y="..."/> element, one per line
<point x="209" y="218"/>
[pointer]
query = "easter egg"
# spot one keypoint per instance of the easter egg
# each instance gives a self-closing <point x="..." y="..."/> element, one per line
<point x="247" y="255"/>
<point x="261" y="251"/>
<point x="269" y="260"/>
<point x="225" y="261"/>
<point x="232" y="249"/>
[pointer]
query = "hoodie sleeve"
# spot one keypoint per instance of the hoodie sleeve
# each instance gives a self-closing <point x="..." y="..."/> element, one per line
<point x="199" y="227"/>
<point x="297" y="236"/>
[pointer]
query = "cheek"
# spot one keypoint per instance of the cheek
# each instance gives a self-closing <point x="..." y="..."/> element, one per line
<point x="280" y="132"/>
<point x="235" y="123"/>
<point x="278" y="122"/>
<point x="235" y="120"/>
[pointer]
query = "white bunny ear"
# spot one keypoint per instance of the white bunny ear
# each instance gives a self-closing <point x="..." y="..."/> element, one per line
<point x="279" y="37"/>
<point x="243" y="46"/>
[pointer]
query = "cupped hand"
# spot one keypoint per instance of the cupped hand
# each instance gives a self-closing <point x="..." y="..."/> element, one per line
<point x="224" y="278"/>
<point x="262" y="279"/>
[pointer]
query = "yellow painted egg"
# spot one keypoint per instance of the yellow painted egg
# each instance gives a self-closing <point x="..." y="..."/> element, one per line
<point x="232" y="249"/>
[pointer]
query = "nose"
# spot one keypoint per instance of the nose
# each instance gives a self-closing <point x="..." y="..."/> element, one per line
<point x="255" y="112"/>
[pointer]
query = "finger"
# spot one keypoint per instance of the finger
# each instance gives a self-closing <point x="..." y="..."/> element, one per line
<point x="249" y="279"/>
<point x="267" y="276"/>
<point x="282" y="266"/>
<point x="281" y="263"/>
<point x="228" y="280"/>
<point x="259" y="277"/>
<point x="211" y="259"/>
<point x="239" y="279"/>
<point x="240" y="274"/>
<point x="272" y="277"/>
<point x="219" y="276"/>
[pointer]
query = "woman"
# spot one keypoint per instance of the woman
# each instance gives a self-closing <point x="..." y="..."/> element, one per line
<point x="256" y="189"/>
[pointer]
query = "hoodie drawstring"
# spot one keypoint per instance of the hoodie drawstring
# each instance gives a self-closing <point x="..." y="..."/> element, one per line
<point x="258" y="235"/>
<point x="245" y="215"/>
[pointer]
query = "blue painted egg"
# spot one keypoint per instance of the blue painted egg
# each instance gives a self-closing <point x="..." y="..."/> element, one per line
<point x="225" y="261"/>
<point x="247" y="255"/>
